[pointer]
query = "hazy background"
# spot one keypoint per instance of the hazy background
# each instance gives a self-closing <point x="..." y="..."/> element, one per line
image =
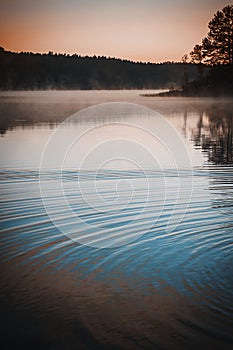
<point x="148" y="30"/>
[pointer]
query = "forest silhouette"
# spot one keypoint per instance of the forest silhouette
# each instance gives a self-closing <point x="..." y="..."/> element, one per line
<point x="35" y="71"/>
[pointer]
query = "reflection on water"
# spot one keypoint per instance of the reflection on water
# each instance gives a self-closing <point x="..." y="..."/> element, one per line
<point x="209" y="120"/>
<point x="215" y="135"/>
<point x="166" y="288"/>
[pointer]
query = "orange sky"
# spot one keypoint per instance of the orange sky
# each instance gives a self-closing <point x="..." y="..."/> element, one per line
<point x="148" y="30"/>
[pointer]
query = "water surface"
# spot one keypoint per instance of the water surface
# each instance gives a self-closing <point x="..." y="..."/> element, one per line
<point x="128" y="244"/>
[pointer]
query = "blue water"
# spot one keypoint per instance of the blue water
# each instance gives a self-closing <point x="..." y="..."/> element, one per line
<point x="116" y="259"/>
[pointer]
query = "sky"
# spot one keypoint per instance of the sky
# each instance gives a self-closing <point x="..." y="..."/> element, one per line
<point x="139" y="30"/>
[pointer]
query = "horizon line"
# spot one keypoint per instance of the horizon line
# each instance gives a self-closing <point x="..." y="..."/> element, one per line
<point x="53" y="53"/>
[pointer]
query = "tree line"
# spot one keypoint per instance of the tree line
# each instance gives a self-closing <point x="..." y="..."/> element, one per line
<point x="206" y="70"/>
<point x="35" y="71"/>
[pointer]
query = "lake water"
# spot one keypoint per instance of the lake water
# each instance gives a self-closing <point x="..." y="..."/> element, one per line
<point x="116" y="221"/>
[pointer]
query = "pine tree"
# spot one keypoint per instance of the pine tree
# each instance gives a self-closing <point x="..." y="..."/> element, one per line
<point x="216" y="51"/>
<point x="217" y="47"/>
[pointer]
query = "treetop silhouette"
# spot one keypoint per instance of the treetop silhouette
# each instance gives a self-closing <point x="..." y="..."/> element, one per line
<point x="217" y="46"/>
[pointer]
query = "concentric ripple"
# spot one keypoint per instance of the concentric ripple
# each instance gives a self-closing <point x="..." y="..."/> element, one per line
<point x="116" y="196"/>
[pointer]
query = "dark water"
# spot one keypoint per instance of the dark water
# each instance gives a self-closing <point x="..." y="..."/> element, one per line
<point x="130" y="248"/>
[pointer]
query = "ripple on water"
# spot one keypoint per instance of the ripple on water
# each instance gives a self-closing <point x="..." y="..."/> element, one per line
<point x="182" y="272"/>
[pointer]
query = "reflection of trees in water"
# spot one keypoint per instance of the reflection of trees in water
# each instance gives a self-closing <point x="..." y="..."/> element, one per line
<point x="215" y="137"/>
<point x="26" y="114"/>
<point x="213" y="130"/>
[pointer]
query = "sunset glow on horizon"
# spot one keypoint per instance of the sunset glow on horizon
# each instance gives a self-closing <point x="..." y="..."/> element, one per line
<point x="148" y="30"/>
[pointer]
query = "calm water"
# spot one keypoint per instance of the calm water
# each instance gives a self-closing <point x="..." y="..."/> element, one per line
<point x="116" y="221"/>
